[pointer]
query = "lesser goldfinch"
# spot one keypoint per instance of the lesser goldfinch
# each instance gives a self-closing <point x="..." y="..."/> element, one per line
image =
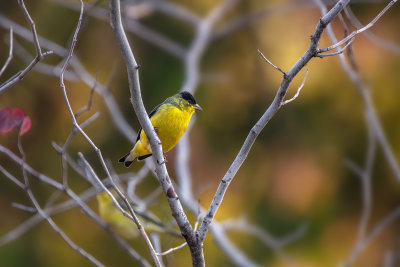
<point x="170" y="120"/>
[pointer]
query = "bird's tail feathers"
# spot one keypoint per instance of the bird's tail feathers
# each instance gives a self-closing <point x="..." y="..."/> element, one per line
<point x="127" y="160"/>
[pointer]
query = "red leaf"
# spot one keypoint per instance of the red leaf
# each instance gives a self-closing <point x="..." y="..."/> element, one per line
<point x="10" y="120"/>
<point x="18" y="112"/>
<point x="26" y="125"/>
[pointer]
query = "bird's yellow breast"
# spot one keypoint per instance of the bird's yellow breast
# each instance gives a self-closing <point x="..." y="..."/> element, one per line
<point x="170" y="123"/>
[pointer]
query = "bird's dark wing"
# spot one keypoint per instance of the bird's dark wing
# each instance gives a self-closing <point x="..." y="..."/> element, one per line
<point x="150" y="115"/>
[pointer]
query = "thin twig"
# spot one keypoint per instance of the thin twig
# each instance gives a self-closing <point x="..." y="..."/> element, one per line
<point x="23" y="207"/>
<point x="340" y="51"/>
<point x="131" y="215"/>
<point x="298" y="91"/>
<point x="388" y="45"/>
<point x="10" y="52"/>
<point x="269" y="62"/>
<point x="266" y="117"/>
<point x="134" y="26"/>
<point x="374" y="134"/>
<point x="354" y="33"/>
<point x="89" y="104"/>
<point x="75" y="200"/>
<point x="370" y="112"/>
<point x="44" y="214"/>
<point x="12" y="178"/>
<point x="172" y="249"/>
<point x="39" y="55"/>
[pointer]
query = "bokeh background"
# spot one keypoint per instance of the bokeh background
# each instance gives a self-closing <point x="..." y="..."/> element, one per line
<point x="295" y="173"/>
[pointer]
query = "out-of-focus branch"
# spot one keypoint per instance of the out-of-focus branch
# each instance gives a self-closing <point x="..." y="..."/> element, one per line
<point x="176" y="11"/>
<point x="253" y="17"/>
<point x="227" y="246"/>
<point x="192" y="59"/>
<point x="393" y="47"/>
<point x="200" y="42"/>
<point x="370" y="113"/>
<point x="378" y="229"/>
<point x="269" y="113"/>
<point x="42" y="213"/>
<point x="132" y="214"/>
<point x="39" y="55"/>
<point x="375" y="133"/>
<point x="81" y="72"/>
<point x="136" y="28"/>
<point x="10" y="52"/>
<point x="77" y="199"/>
<point x="366" y="186"/>
<point x="97" y="150"/>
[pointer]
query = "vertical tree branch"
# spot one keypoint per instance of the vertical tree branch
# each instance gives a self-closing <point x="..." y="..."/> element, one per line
<point x="178" y="213"/>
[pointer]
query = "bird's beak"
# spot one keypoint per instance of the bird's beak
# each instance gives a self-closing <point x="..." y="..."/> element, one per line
<point x="196" y="106"/>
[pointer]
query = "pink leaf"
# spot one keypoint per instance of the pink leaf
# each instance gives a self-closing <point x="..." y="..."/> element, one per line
<point x="10" y="120"/>
<point x="26" y="125"/>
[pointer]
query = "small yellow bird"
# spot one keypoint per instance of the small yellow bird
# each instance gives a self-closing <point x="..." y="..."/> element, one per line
<point x="170" y="120"/>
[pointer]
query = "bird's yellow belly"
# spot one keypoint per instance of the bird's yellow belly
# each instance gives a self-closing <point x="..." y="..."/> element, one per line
<point x="170" y="124"/>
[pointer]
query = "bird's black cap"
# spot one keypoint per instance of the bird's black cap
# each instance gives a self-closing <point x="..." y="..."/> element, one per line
<point x="188" y="97"/>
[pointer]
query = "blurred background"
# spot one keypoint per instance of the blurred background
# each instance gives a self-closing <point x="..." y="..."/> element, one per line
<point x="296" y="173"/>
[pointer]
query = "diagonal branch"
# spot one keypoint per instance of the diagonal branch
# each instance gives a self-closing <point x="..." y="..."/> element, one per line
<point x="10" y="52"/>
<point x="265" y="118"/>
<point x="269" y="62"/>
<point x="354" y="33"/>
<point x="39" y="55"/>
<point x="42" y="213"/>
<point x="74" y="201"/>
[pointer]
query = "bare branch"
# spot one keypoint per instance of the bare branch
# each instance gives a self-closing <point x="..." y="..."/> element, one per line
<point x="269" y="62"/>
<point x="23" y="207"/>
<point x="89" y="104"/>
<point x="395" y="48"/>
<point x="131" y="215"/>
<point x="48" y="219"/>
<point x="155" y="238"/>
<point x="298" y="91"/>
<point x="253" y="17"/>
<point x="39" y="55"/>
<point x="340" y="51"/>
<point x="176" y="11"/>
<point x="135" y="27"/>
<point x="226" y="245"/>
<point x="137" y="103"/>
<point x="375" y="133"/>
<point x="10" y="52"/>
<point x="378" y="229"/>
<point x="200" y="43"/>
<point x="269" y="113"/>
<point x="354" y="33"/>
<point x="370" y="113"/>
<point x="75" y="200"/>
<point x="12" y="178"/>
